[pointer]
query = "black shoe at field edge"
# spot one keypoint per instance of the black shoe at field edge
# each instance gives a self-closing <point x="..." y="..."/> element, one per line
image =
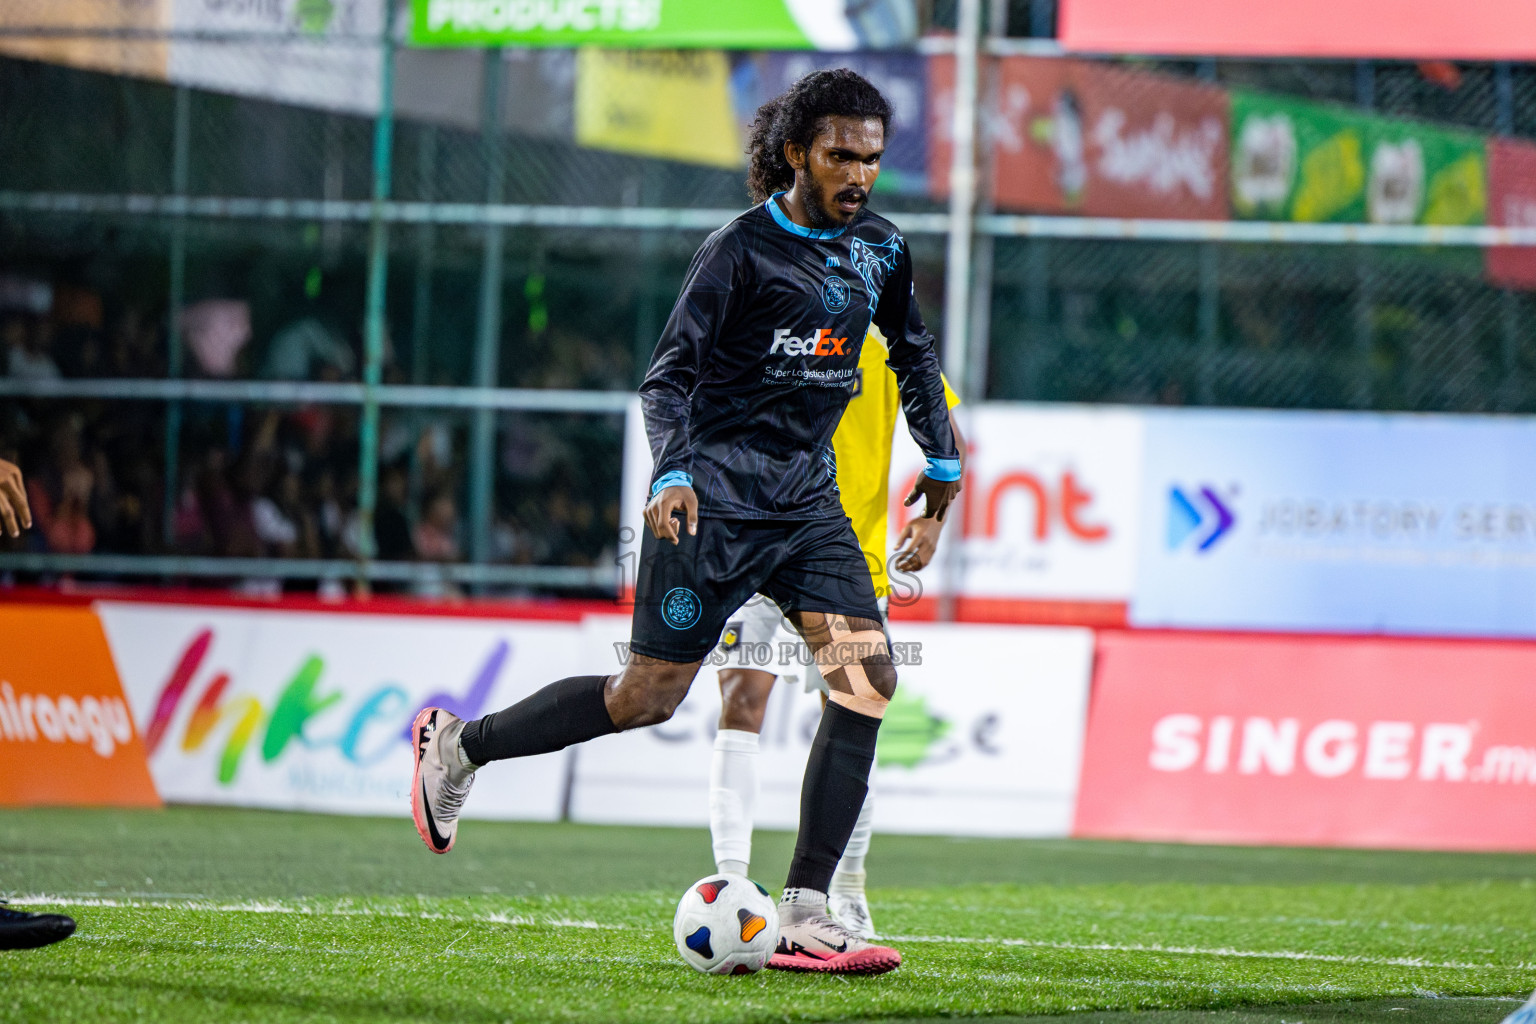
<point x="21" y="930"/>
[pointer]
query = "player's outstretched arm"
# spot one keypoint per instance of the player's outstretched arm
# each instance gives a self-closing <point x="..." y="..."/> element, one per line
<point x="660" y="512"/>
<point x="15" y="516"/>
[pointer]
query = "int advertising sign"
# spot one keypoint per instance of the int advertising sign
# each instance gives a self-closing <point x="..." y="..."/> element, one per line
<point x="311" y="711"/>
<point x="1512" y="204"/>
<point x="1051" y="513"/>
<point x="1312" y="741"/>
<point x="997" y="756"/>
<point x="1080" y="137"/>
<point x="66" y="734"/>
<point x="1338" y="522"/>
<point x="676" y="24"/>
<point x="1485" y="30"/>
<point x="1299" y="161"/>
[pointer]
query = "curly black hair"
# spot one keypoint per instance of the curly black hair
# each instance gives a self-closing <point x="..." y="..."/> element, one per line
<point x="797" y="116"/>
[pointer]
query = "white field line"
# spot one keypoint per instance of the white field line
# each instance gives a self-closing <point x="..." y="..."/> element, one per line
<point x="276" y="907"/>
<point x="1253" y="954"/>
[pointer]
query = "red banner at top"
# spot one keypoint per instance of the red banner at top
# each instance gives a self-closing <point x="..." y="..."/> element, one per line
<point x="1512" y="204"/>
<point x="1077" y="137"/>
<point x="1413" y="29"/>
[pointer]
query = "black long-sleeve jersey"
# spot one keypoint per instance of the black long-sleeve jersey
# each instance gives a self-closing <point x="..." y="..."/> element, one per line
<point x="759" y="357"/>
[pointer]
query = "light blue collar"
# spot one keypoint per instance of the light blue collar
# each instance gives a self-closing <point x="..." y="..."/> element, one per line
<point x="795" y="229"/>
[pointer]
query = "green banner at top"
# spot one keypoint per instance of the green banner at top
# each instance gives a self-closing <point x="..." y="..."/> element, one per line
<point x="670" y="24"/>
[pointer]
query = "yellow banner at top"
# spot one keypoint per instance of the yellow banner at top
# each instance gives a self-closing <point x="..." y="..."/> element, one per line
<point x="673" y="104"/>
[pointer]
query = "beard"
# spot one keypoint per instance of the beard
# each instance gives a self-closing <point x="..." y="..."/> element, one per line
<point x="816" y="206"/>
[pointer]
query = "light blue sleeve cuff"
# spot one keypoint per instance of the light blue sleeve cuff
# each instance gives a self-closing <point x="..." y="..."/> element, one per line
<point x="676" y="478"/>
<point x="943" y="470"/>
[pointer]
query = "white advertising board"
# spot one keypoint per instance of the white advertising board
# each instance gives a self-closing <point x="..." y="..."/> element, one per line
<point x="311" y="710"/>
<point x="984" y="738"/>
<point x="1051" y="502"/>
<point x="1339" y="522"/>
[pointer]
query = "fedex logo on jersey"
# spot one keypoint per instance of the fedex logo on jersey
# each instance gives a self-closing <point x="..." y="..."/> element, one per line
<point x="822" y="343"/>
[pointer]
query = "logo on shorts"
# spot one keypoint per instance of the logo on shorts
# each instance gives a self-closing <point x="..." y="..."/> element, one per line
<point x="731" y="637"/>
<point x="835" y="293"/>
<point x="681" y="608"/>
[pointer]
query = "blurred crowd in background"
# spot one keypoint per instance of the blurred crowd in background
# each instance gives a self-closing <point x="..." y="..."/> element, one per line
<point x="262" y="480"/>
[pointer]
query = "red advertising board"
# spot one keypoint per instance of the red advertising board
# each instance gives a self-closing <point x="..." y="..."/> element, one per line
<point x="1485" y="30"/>
<point x="1316" y="741"/>
<point x="1512" y="204"/>
<point x="1084" y="138"/>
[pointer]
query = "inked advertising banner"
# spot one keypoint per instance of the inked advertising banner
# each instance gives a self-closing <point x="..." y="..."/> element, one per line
<point x="66" y="734"/>
<point x="1338" y="522"/>
<point x="1312" y="741"/>
<point x="1299" y="161"/>
<point x="676" y="24"/>
<point x="1079" y="137"/>
<point x="1051" y="513"/>
<point x="1512" y="204"/>
<point x="996" y="756"/>
<point x="311" y="711"/>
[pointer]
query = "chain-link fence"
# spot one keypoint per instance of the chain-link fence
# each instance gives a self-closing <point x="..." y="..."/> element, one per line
<point x="199" y="387"/>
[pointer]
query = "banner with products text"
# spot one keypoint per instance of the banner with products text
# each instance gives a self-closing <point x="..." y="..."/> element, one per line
<point x="675" y="24"/>
<point x="66" y="733"/>
<point x="1311" y="741"/>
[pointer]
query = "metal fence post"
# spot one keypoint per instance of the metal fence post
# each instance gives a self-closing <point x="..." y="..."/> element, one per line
<point x="373" y="329"/>
<point x="482" y="455"/>
<point x="181" y="154"/>
<point x="957" y="269"/>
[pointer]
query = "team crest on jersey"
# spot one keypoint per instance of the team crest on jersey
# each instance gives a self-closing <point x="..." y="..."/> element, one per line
<point x="680" y="608"/>
<point x="875" y="261"/>
<point x="835" y="293"/>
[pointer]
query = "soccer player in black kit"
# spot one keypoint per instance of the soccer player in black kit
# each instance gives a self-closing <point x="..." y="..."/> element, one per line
<point x="744" y="391"/>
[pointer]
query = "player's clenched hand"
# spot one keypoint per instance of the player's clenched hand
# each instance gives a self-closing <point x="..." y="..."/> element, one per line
<point x="658" y="514"/>
<point x="938" y="492"/>
<point x="915" y="546"/>
<point x="15" y="516"/>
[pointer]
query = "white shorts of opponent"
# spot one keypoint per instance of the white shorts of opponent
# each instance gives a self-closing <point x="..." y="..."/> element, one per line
<point x="760" y="622"/>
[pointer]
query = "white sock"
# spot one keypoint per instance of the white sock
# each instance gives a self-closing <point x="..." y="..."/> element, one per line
<point x="849" y="876"/>
<point x="732" y="798"/>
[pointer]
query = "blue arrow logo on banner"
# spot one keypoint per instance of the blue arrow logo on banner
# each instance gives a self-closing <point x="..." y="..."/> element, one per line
<point x="1188" y="516"/>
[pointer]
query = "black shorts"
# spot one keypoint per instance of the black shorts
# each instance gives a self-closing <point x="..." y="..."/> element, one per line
<point x="684" y="594"/>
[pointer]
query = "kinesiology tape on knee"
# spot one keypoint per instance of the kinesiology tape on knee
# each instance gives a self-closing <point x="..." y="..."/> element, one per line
<point x="842" y="663"/>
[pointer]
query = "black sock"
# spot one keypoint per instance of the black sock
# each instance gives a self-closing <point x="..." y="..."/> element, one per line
<point x="563" y="713"/>
<point x="836" y="782"/>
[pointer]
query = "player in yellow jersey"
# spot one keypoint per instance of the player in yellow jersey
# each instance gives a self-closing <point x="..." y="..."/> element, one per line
<point x="863" y="447"/>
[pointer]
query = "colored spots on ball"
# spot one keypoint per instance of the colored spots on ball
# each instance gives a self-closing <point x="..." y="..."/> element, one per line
<point x="711" y="890"/>
<point x="699" y="943"/>
<point x="741" y="969"/>
<point x="751" y="924"/>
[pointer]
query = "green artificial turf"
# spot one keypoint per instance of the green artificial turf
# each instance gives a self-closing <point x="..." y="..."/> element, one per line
<point x="206" y="914"/>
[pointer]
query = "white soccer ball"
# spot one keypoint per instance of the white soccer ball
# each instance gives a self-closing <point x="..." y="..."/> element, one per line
<point x="726" y="924"/>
